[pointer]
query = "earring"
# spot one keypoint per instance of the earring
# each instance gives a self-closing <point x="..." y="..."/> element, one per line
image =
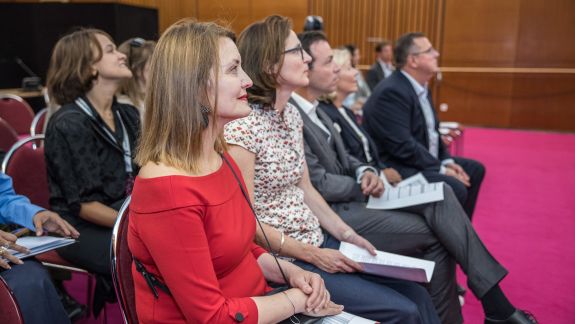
<point x="205" y="115"/>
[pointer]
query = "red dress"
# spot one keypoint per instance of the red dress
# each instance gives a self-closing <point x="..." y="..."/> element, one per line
<point x="195" y="234"/>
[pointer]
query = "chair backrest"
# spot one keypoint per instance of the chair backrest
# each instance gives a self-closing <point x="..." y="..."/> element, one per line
<point x="10" y="310"/>
<point x="37" y="126"/>
<point x="26" y="165"/>
<point x="122" y="266"/>
<point x="16" y="112"/>
<point x="8" y="136"/>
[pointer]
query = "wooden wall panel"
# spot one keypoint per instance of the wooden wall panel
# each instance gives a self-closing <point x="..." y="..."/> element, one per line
<point x="523" y="40"/>
<point x="366" y="22"/>
<point x="173" y="10"/>
<point x="241" y="13"/>
<point x="480" y="33"/>
<point x="545" y="36"/>
<point x="483" y="99"/>
<point x="297" y="10"/>
<point x="543" y="101"/>
<point x="235" y="12"/>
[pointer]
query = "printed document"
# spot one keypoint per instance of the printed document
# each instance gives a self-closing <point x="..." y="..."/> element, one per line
<point x="389" y="264"/>
<point x="40" y="244"/>
<point x="412" y="191"/>
<point x="346" y="318"/>
<point x="416" y="179"/>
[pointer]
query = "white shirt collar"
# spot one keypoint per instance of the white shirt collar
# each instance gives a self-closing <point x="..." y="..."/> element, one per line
<point x="384" y="65"/>
<point x="419" y="89"/>
<point x="308" y="107"/>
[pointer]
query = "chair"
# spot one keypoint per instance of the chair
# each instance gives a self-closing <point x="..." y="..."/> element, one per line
<point x="122" y="266"/>
<point x="8" y="136"/>
<point x="10" y="310"/>
<point x="16" y="112"/>
<point x="25" y="164"/>
<point x="27" y="167"/>
<point x="37" y="126"/>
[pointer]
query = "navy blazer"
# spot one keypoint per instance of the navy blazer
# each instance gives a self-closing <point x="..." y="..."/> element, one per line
<point x="374" y="75"/>
<point x="351" y="140"/>
<point x="393" y="118"/>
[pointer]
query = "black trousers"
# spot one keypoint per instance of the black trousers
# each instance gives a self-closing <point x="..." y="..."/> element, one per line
<point x="439" y="232"/>
<point x="467" y="196"/>
<point x="92" y="251"/>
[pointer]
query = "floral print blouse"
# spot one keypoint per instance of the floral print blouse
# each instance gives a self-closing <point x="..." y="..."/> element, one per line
<point x="277" y="142"/>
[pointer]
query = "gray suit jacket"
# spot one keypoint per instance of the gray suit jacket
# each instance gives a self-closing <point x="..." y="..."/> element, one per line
<point x="331" y="168"/>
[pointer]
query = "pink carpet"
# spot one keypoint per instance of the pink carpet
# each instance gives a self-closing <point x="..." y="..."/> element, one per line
<point x="526" y="217"/>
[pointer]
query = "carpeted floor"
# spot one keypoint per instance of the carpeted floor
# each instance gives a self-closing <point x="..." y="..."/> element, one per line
<point x="526" y="217"/>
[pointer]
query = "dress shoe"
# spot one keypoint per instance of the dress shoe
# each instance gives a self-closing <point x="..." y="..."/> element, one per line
<point x="518" y="317"/>
<point x="75" y="310"/>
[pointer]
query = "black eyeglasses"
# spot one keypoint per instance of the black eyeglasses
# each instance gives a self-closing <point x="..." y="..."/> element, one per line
<point x="296" y="49"/>
<point x="427" y="51"/>
<point x="135" y="42"/>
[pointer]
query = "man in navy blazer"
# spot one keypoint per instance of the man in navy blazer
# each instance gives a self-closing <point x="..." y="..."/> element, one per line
<point x="400" y="118"/>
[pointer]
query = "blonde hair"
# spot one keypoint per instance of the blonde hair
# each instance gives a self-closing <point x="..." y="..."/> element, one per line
<point x="184" y="66"/>
<point x="137" y="57"/>
<point x="341" y="56"/>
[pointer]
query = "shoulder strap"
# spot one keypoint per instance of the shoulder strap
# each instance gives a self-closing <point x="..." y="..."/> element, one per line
<point x="256" y="216"/>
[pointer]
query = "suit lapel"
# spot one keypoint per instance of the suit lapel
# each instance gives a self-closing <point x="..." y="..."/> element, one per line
<point x="335" y="138"/>
<point x="380" y="73"/>
<point x="415" y="98"/>
<point x="317" y="140"/>
<point x="350" y="129"/>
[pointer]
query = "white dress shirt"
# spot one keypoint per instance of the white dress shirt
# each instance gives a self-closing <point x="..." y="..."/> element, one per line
<point x="388" y="68"/>
<point x="427" y="110"/>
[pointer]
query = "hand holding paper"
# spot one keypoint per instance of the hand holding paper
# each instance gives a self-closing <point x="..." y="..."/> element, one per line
<point x="389" y="264"/>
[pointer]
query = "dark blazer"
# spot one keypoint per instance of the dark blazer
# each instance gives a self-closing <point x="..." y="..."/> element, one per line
<point x="351" y="140"/>
<point x="393" y="118"/>
<point x="374" y="75"/>
<point x="331" y="168"/>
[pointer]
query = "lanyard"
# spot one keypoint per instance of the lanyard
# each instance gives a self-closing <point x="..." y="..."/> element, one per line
<point x="127" y="152"/>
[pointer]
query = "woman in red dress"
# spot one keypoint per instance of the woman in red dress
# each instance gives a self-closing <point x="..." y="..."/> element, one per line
<point x="190" y="225"/>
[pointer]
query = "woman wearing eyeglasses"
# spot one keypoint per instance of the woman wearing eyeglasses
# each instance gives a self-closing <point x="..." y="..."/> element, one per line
<point x="89" y="145"/>
<point x="138" y="52"/>
<point x="268" y="145"/>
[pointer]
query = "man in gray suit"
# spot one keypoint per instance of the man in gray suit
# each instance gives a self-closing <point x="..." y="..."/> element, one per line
<point x="439" y="231"/>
